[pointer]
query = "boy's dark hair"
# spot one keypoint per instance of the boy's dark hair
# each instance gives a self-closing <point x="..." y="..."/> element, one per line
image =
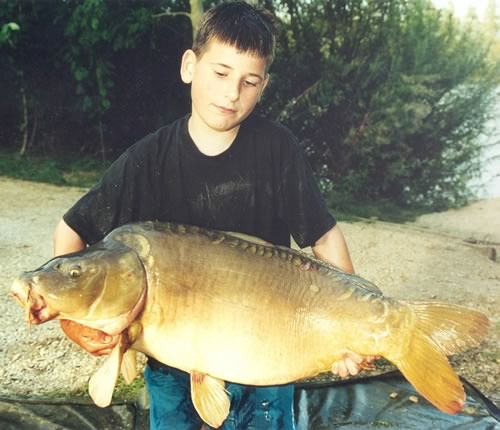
<point x="236" y="23"/>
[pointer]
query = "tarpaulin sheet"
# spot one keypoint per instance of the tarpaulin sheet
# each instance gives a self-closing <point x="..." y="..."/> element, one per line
<point x="355" y="404"/>
<point x="384" y="402"/>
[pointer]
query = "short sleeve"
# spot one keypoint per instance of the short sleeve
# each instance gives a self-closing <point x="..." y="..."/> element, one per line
<point x="305" y="209"/>
<point x="115" y="200"/>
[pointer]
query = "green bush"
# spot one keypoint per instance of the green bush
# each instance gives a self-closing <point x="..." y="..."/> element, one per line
<point x="388" y="98"/>
<point x="64" y="170"/>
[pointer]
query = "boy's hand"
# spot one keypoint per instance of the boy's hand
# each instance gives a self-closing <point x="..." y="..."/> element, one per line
<point x="91" y="340"/>
<point x="352" y="363"/>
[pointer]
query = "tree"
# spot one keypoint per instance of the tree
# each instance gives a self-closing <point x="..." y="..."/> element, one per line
<point x="492" y="30"/>
<point x="29" y="65"/>
<point x="95" y="32"/>
<point x="194" y="16"/>
<point x="387" y="97"/>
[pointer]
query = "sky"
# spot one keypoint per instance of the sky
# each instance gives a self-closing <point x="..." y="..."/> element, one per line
<point x="461" y="7"/>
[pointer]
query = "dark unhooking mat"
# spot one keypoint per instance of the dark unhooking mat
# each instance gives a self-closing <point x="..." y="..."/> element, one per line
<point x="374" y="402"/>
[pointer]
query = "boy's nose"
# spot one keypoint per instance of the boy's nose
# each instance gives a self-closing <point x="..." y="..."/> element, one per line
<point x="233" y="92"/>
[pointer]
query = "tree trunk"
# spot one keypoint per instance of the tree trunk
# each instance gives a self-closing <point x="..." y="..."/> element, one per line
<point x="34" y="128"/>
<point x="196" y="14"/>
<point x="101" y="141"/>
<point x="24" y="123"/>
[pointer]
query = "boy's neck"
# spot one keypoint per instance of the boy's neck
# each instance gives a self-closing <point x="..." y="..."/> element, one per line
<point x="209" y="141"/>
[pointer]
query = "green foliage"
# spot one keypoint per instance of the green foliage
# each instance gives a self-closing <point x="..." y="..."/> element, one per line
<point x="7" y="32"/>
<point x="348" y="210"/>
<point x="389" y="103"/>
<point x="62" y="170"/>
<point x="96" y="31"/>
<point x="387" y="97"/>
<point x="88" y="76"/>
<point x="29" y="66"/>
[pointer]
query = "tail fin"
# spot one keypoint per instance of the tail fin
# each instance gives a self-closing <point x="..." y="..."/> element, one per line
<point x="453" y="328"/>
<point x="440" y="329"/>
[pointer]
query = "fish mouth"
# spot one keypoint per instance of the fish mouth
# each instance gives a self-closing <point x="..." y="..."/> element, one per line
<point x="37" y="311"/>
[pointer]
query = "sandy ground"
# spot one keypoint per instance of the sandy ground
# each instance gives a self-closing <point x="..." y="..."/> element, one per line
<point x="445" y="256"/>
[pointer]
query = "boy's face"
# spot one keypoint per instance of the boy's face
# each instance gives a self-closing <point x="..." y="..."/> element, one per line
<point x="226" y="84"/>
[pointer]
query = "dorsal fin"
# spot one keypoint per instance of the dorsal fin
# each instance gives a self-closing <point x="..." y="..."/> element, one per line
<point x="248" y="238"/>
<point x="365" y="284"/>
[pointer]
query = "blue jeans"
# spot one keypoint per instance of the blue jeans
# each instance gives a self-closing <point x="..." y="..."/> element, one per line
<point x="252" y="408"/>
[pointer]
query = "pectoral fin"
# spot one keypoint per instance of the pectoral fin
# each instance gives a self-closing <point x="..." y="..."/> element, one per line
<point x="102" y="383"/>
<point x="210" y="398"/>
<point x="129" y="362"/>
<point x="129" y="366"/>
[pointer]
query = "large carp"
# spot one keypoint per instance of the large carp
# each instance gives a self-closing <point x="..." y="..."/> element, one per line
<point x="227" y="308"/>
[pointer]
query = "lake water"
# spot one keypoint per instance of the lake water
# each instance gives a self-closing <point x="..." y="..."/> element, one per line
<point x="488" y="185"/>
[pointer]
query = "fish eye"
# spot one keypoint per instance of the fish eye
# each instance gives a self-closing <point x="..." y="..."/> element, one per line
<point x="75" y="272"/>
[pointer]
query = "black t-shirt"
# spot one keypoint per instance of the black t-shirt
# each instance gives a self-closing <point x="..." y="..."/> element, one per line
<point x="261" y="185"/>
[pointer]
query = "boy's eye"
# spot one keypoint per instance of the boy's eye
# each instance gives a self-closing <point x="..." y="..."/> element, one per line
<point x="220" y="74"/>
<point x="250" y="83"/>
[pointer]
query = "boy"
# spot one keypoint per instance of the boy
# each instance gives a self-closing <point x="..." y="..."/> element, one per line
<point x="221" y="168"/>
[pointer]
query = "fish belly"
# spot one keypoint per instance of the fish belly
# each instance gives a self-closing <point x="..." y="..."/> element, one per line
<point x="251" y="314"/>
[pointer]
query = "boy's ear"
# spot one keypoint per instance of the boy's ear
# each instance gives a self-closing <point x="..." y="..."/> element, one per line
<point x="187" y="66"/>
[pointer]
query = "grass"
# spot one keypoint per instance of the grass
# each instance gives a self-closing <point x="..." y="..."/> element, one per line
<point x="121" y="393"/>
<point x="383" y="210"/>
<point x="129" y="392"/>
<point x="65" y="169"/>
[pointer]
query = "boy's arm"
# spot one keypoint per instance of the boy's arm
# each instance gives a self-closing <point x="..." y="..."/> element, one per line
<point x="66" y="240"/>
<point x="332" y="248"/>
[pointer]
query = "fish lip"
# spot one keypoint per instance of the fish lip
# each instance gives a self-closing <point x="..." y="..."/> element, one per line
<point x="20" y="291"/>
<point x="38" y="311"/>
<point x="24" y="291"/>
<point x="18" y="299"/>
